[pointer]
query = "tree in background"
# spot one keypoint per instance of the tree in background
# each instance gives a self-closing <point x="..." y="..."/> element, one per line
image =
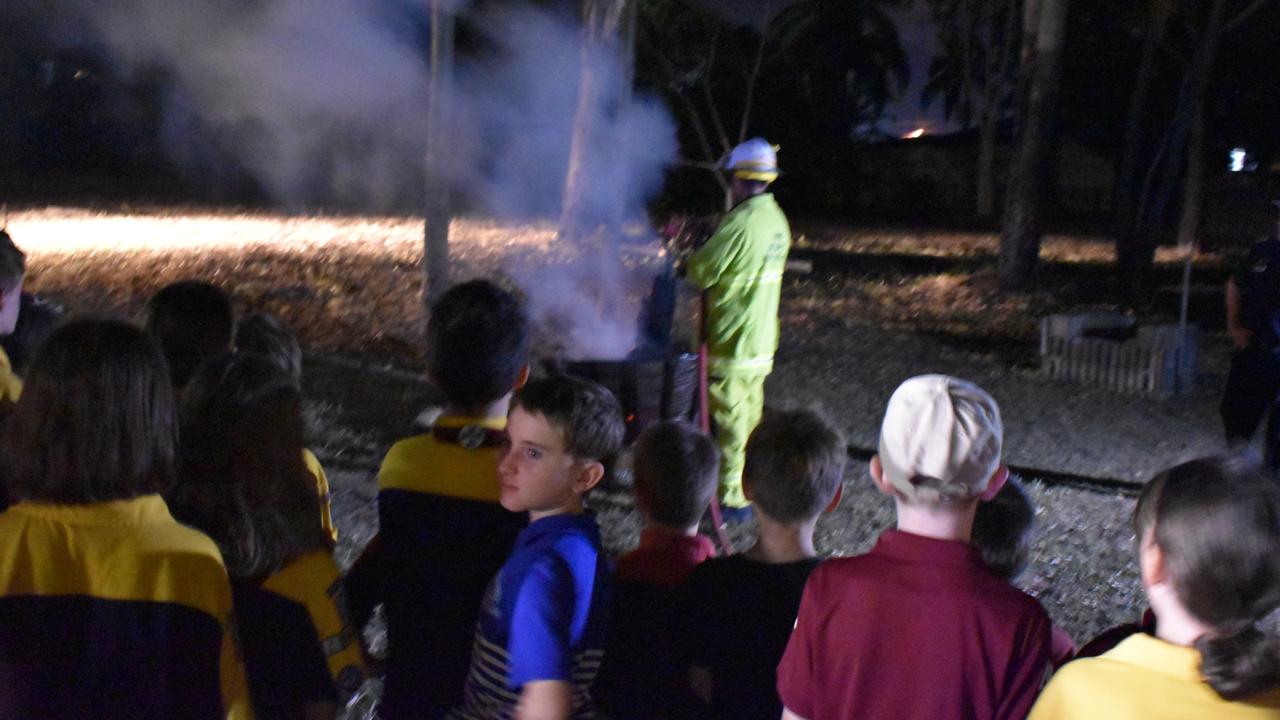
<point x="1178" y="160"/>
<point x="1043" y="26"/>
<point x="805" y="77"/>
<point x="974" y="75"/>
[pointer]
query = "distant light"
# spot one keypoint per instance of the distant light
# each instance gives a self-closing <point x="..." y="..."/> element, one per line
<point x="1238" y="156"/>
<point x="917" y="133"/>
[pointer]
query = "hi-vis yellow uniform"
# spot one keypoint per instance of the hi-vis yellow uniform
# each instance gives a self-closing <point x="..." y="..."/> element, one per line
<point x="740" y="270"/>
<point x="113" y="609"/>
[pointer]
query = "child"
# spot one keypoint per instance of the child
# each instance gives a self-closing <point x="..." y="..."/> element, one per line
<point x="1002" y="534"/>
<point x="264" y="334"/>
<point x="541" y="632"/>
<point x="741" y="608"/>
<point x="1209" y="554"/>
<point x="13" y="266"/>
<point x="919" y="627"/>
<point x="242" y="481"/>
<point x="192" y="321"/>
<point x="676" y="471"/>
<point x="443" y="533"/>
<point x="108" y="607"/>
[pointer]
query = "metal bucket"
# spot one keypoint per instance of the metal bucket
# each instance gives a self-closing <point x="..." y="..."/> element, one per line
<point x="648" y="390"/>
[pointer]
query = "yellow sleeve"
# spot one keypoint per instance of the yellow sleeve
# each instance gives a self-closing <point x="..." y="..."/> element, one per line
<point x="1054" y="701"/>
<point x="713" y="259"/>
<point x="322" y="489"/>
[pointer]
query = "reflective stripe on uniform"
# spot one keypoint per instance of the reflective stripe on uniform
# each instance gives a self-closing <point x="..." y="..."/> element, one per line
<point x="771" y="277"/>
<point x="762" y="362"/>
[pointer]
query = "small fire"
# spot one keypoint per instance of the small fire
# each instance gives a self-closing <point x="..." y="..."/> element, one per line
<point x="917" y="133"/>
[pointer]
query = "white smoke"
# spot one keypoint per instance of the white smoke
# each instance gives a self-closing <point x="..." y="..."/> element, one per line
<point x="324" y="102"/>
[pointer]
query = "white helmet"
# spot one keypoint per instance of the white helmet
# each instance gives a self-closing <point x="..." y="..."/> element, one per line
<point x="754" y="159"/>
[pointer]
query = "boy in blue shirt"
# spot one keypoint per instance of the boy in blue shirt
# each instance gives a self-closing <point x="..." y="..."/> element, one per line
<point x="541" y="632"/>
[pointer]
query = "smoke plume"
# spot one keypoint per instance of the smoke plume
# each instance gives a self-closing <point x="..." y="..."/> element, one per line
<point x="323" y="103"/>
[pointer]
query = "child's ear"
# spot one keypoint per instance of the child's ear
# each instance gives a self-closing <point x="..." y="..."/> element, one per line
<point x="997" y="481"/>
<point x="521" y="378"/>
<point x="1150" y="560"/>
<point x="747" y="492"/>
<point x="589" y="475"/>
<point x="877" y="476"/>
<point x="835" y="499"/>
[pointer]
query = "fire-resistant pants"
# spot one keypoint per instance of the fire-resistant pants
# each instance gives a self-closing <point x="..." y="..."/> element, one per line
<point x="736" y="403"/>
<point x="1253" y="388"/>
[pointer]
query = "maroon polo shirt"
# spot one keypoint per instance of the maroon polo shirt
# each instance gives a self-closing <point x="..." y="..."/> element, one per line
<point x="917" y="628"/>
<point x="664" y="557"/>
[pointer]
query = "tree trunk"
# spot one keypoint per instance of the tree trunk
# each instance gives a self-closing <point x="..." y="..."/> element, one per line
<point x="986" y="164"/>
<point x="1193" y="186"/>
<point x="439" y="213"/>
<point x="1126" y="186"/>
<point x="604" y="20"/>
<point x="1020" y="237"/>
<point x="1168" y="166"/>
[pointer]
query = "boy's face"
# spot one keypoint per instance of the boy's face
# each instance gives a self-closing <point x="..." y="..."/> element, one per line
<point x="10" y="301"/>
<point x="537" y="473"/>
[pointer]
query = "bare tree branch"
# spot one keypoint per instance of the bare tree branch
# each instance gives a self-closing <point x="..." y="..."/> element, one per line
<point x="1235" y="22"/>
<point x="751" y="89"/>
<point x="716" y="122"/>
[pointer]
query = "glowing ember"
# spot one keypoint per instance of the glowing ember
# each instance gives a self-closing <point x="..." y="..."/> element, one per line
<point x="917" y="133"/>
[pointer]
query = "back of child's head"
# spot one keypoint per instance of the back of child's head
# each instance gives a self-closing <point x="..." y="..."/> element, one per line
<point x="940" y="440"/>
<point x="477" y="343"/>
<point x="193" y="321"/>
<point x="13" y="263"/>
<point x="1002" y="530"/>
<point x="96" y="420"/>
<point x="242" y="479"/>
<point x="794" y="465"/>
<point x="1216" y="521"/>
<point x="676" y="471"/>
<point x="265" y="334"/>
<point x="586" y="415"/>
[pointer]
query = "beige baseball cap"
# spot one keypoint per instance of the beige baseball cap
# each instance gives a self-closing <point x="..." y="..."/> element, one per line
<point x="940" y="439"/>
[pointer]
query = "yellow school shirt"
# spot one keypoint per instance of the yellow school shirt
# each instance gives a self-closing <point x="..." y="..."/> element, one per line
<point x="77" y="573"/>
<point x="1143" y="678"/>
<point x="10" y="384"/>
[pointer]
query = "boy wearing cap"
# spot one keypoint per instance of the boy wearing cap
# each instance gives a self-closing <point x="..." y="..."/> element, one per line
<point x="919" y="627"/>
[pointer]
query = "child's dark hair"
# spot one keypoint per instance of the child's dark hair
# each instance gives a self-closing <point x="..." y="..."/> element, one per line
<point x="13" y="262"/>
<point x="676" y="470"/>
<point x="1002" y="530"/>
<point x="477" y="343"/>
<point x="192" y="321"/>
<point x="1217" y="522"/>
<point x="794" y="464"/>
<point x="586" y="414"/>
<point x="96" y="420"/>
<point x="242" y="479"/>
<point x="265" y="334"/>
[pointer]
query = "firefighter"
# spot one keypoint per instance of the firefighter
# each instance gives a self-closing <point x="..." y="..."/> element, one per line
<point x="1253" y="322"/>
<point x="739" y="271"/>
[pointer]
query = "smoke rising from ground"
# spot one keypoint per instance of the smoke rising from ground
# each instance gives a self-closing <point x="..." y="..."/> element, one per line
<point x="323" y="103"/>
